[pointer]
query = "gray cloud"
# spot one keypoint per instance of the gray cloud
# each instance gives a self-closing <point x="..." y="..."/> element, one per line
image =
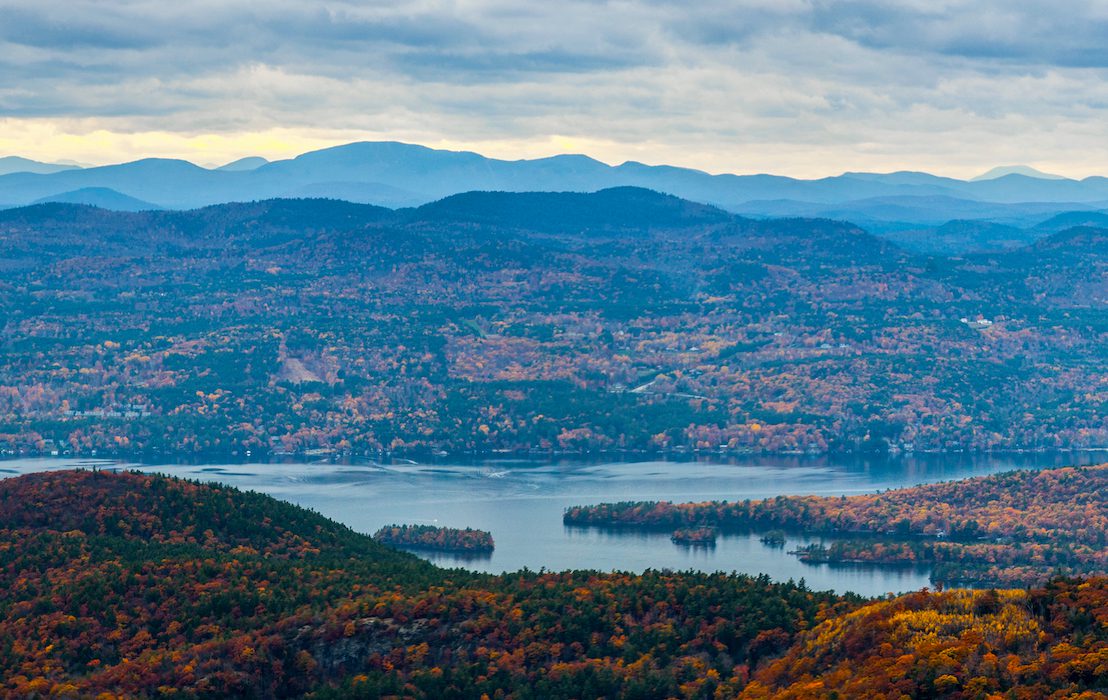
<point x="33" y="28"/>
<point x="721" y="81"/>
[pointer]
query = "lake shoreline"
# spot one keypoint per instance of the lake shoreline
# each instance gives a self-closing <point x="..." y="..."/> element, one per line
<point x="521" y="503"/>
<point x="534" y="455"/>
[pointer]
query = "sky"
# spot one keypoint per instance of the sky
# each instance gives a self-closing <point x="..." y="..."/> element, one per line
<point x="805" y="88"/>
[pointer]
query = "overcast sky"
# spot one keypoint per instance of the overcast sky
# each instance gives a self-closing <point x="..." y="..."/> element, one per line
<point x="797" y="87"/>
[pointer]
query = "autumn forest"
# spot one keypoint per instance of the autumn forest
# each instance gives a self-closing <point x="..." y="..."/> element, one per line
<point x="620" y="322"/>
<point x="124" y="585"/>
<point x="623" y="320"/>
<point x="581" y="350"/>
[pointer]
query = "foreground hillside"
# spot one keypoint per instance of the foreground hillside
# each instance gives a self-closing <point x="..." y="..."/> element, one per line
<point x="620" y="320"/>
<point x="1049" y="642"/>
<point x="136" y="585"/>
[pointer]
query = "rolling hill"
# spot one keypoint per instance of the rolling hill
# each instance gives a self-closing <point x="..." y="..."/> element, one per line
<point x="101" y="197"/>
<point x="622" y="320"/>
<point x="158" y="584"/>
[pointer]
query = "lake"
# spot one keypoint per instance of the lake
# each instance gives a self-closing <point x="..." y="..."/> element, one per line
<point x="521" y="502"/>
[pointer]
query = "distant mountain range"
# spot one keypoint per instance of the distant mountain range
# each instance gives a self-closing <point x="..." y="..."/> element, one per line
<point x="398" y="175"/>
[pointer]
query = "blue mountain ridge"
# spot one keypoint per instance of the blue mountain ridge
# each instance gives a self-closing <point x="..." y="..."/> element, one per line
<point x="399" y="175"/>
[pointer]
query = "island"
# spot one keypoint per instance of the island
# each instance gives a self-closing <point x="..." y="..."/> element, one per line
<point x="695" y="536"/>
<point x="774" y="538"/>
<point x="434" y="538"/>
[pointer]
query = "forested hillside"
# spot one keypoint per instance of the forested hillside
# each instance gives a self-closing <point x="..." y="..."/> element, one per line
<point x="1047" y="642"/>
<point x="1018" y="528"/>
<point x="129" y="585"/>
<point x="621" y="320"/>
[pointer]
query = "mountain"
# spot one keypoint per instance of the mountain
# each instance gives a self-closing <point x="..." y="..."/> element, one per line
<point x="15" y="164"/>
<point x="1071" y="219"/>
<point x="173" y="184"/>
<point x="959" y="237"/>
<point x="880" y="214"/>
<point x="618" y="208"/>
<point x="102" y="197"/>
<point x="405" y="175"/>
<point x="1076" y="245"/>
<point x="243" y="164"/>
<point x="622" y="319"/>
<point x="1024" y="170"/>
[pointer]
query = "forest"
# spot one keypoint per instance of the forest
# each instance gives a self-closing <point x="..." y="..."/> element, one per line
<point x="131" y="585"/>
<point x="1017" y="528"/>
<point x="433" y="537"/>
<point x="623" y="320"/>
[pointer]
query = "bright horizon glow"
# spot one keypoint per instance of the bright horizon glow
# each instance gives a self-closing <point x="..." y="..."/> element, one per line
<point x="50" y="143"/>
<point x="792" y="87"/>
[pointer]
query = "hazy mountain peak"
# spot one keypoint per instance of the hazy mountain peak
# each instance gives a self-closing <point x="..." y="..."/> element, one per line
<point x="103" y="197"/>
<point x="1024" y="170"/>
<point x="569" y="158"/>
<point x="361" y="149"/>
<point x="16" y="164"/>
<point x="244" y="164"/>
<point x="159" y="166"/>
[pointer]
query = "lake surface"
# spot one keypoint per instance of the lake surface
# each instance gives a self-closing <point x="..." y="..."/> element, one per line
<point x="521" y="504"/>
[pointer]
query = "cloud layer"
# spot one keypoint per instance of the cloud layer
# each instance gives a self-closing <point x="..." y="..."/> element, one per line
<point x="803" y="87"/>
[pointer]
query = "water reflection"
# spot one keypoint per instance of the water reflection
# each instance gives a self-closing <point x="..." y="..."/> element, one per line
<point x="466" y="560"/>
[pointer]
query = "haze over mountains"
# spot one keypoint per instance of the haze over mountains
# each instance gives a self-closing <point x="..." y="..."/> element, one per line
<point x="15" y="164"/>
<point x="1002" y="208"/>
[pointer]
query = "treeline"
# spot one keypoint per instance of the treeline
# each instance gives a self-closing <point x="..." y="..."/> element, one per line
<point x="982" y="564"/>
<point x="432" y="537"/>
<point x="1015" y="528"/>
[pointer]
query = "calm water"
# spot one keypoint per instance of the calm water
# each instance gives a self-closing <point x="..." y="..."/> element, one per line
<point x="521" y="504"/>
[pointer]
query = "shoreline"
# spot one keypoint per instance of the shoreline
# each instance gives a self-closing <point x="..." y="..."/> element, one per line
<point x="577" y="456"/>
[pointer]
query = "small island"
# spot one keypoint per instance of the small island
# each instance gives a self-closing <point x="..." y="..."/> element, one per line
<point x="774" y="538"/>
<point x="434" y="538"/>
<point x="696" y="536"/>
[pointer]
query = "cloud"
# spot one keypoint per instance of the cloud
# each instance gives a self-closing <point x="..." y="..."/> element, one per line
<point x="1020" y="32"/>
<point x="802" y="86"/>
